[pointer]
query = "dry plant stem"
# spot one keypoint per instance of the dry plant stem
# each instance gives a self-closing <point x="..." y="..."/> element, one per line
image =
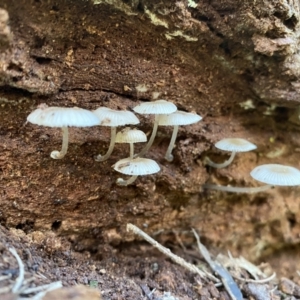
<point x="259" y="281"/>
<point x="169" y="157"/>
<point x="20" y="278"/>
<point x="41" y="275"/>
<point x="5" y="277"/>
<point x="25" y="283"/>
<point x="242" y="263"/>
<point x="151" y="140"/>
<point x="111" y="146"/>
<point x="65" y="142"/>
<point x="227" y="280"/>
<point x="232" y="189"/>
<point x="222" y="165"/>
<point x="166" y="251"/>
<point x="47" y="287"/>
<point x="52" y="286"/>
<point x="123" y="182"/>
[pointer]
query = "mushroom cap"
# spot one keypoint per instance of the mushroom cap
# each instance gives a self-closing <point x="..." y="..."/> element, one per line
<point x="178" y="118"/>
<point x="62" y="117"/>
<point x="129" y="135"/>
<point x="113" y="118"/>
<point x="235" y="145"/>
<point x="158" y="107"/>
<point x="274" y="174"/>
<point x="136" y="166"/>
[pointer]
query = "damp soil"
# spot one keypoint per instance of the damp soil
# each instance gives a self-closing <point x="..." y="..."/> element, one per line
<point x="121" y="276"/>
<point x="240" y="79"/>
<point x="137" y="272"/>
<point x="76" y="202"/>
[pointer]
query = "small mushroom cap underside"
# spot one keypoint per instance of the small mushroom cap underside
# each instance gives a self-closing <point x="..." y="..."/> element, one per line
<point x="136" y="166"/>
<point x="113" y="118"/>
<point x="62" y="117"/>
<point x="158" y="107"/>
<point x="128" y="135"/>
<point x="235" y="145"/>
<point x="274" y="174"/>
<point x="179" y="118"/>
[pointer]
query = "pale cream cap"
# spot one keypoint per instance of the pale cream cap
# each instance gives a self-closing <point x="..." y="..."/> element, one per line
<point x="62" y="117"/>
<point x="179" y="118"/>
<point x="113" y="118"/>
<point x="275" y="174"/>
<point x="136" y="166"/>
<point x="128" y="135"/>
<point x="235" y="145"/>
<point x="157" y="107"/>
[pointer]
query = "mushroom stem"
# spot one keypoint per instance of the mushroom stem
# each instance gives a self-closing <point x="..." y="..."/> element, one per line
<point x="65" y="141"/>
<point x="169" y="157"/>
<point x="131" y="145"/>
<point x="150" y="142"/>
<point x="207" y="161"/>
<point x="121" y="181"/>
<point x="232" y="189"/>
<point x="111" y="146"/>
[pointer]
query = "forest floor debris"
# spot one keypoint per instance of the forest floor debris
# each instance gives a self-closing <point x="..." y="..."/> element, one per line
<point x="133" y="271"/>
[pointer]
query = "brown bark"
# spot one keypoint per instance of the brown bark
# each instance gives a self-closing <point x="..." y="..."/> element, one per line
<point x="210" y="58"/>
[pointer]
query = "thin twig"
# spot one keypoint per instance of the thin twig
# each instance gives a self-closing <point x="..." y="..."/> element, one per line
<point x="52" y="286"/>
<point x="42" y="276"/>
<point x="241" y="262"/>
<point x="146" y="291"/>
<point x="229" y="284"/>
<point x="20" y="278"/>
<point x="25" y="283"/>
<point x="5" y="277"/>
<point x="166" y="251"/>
<point x="41" y="287"/>
<point x="179" y="241"/>
<point x="264" y="280"/>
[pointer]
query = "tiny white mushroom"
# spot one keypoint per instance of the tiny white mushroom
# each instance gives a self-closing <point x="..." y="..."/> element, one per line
<point x="175" y="119"/>
<point x="63" y="117"/>
<point x="157" y="108"/>
<point x="113" y="118"/>
<point x="233" y="145"/>
<point x="270" y="174"/>
<point x="131" y="136"/>
<point x="135" y="167"/>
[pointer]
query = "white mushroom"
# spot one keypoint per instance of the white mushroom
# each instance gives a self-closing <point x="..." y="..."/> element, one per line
<point x="135" y="167"/>
<point x="271" y="174"/>
<point x="131" y="136"/>
<point x="175" y="119"/>
<point x="113" y="118"/>
<point x="275" y="174"/>
<point x="233" y="145"/>
<point x="157" y="108"/>
<point x="63" y="117"/>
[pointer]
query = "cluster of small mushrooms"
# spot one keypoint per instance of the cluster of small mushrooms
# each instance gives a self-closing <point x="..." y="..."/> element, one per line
<point x="165" y="114"/>
<point x="270" y="174"/>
